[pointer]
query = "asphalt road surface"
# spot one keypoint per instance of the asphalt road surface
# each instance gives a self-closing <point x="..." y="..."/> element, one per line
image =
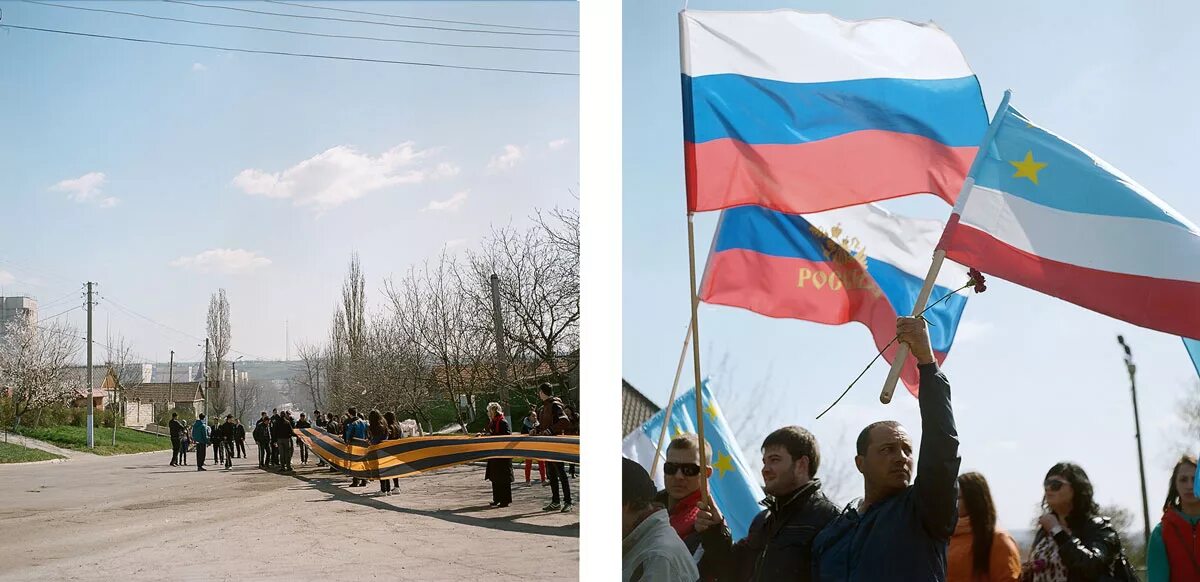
<point x="134" y="517"/>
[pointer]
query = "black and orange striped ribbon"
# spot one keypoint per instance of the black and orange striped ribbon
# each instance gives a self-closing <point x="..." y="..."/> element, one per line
<point x="414" y="455"/>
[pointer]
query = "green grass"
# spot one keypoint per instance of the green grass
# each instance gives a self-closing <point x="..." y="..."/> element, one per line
<point x="75" y="438"/>
<point x="14" y="453"/>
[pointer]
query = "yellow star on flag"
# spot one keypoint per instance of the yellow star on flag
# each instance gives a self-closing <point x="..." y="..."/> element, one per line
<point x="1028" y="168"/>
<point x="678" y="431"/>
<point x="724" y="463"/>
<point x="711" y="409"/>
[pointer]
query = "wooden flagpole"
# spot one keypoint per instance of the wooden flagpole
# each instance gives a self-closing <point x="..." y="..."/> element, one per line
<point x="696" y="358"/>
<point x="662" y="435"/>
<point x="889" y="386"/>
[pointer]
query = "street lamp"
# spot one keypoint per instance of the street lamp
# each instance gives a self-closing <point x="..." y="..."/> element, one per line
<point x="235" y="400"/>
<point x="1137" y="427"/>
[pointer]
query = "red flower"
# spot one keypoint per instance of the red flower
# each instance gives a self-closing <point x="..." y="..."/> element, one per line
<point x="977" y="280"/>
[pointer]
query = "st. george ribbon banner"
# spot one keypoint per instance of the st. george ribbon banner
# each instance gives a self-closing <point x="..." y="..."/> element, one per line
<point x="409" y="456"/>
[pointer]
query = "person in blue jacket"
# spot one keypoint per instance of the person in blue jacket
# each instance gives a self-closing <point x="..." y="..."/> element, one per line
<point x="200" y="436"/>
<point x="900" y="528"/>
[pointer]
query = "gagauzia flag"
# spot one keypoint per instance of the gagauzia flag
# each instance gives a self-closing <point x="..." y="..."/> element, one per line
<point x="410" y="456"/>
<point x="1193" y="349"/>
<point x="1046" y="214"/>
<point x="732" y="486"/>
<point x="860" y="263"/>
<point x="806" y="112"/>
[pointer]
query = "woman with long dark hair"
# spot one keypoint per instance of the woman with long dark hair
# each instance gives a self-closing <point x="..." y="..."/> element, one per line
<point x="1172" y="553"/>
<point x="377" y="432"/>
<point x="979" y="551"/>
<point x="499" y="471"/>
<point x="1074" y="543"/>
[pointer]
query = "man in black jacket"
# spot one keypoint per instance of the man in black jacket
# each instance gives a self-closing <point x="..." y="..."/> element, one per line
<point x="553" y="420"/>
<point x="778" y="545"/>
<point x="302" y="423"/>
<point x="262" y="438"/>
<point x="226" y="430"/>
<point x="239" y="439"/>
<point x="177" y="429"/>
<point x="281" y="431"/>
<point x="900" y="531"/>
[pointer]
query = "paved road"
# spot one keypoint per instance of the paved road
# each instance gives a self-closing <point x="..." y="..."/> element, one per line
<point x="133" y="517"/>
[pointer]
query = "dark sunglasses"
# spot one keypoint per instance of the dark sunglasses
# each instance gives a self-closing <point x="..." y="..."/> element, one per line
<point x="1054" y="484"/>
<point x="689" y="469"/>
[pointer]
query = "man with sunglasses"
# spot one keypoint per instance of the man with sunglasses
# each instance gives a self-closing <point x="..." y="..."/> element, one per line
<point x="900" y="529"/>
<point x="779" y="541"/>
<point x="681" y="475"/>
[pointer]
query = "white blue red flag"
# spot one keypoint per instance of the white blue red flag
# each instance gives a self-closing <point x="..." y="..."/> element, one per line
<point x="806" y="112"/>
<point x="859" y="263"/>
<point x="1047" y="214"/>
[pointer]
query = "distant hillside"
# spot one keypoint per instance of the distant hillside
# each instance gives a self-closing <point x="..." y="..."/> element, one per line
<point x="274" y="374"/>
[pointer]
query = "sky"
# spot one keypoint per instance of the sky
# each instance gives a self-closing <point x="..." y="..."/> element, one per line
<point x="164" y="173"/>
<point x="1035" y="380"/>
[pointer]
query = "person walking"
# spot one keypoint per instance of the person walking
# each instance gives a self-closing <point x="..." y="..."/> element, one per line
<point x="979" y="551"/>
<point x="262" y="439"/>
<point x="1172" y="552"/>
<point x="226" y="432"/>
<point x="177" y="428"/>
<point x="302" y="423"/>
<point x="377" y="432"/>
<point x="200" y="435"/>
<point x="281" y="432"/>
<point x="394" y="432"/>
<point x="553" y="420"/>
<point x="499" y="471"/>
<point x="529" y="426"/>
<point x="354" y="429"/>
<point x="239" y="439"/>
<point x="1074" y="542"/>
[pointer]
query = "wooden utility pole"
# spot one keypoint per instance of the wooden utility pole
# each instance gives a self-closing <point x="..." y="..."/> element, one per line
<point x="501" y="352"/>
<point x="91" y="437"/>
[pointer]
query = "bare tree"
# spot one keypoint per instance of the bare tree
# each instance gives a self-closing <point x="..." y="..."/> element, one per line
<point x="126" y="374"/>
<point x="221" y="337"/>
<point x="33" y="365"/>
<point x="347" y="338"/>
<point x="249" y="395"/>
<point x="312" y="358"/>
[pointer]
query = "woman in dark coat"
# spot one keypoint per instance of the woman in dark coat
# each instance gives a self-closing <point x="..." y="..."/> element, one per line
<point x="389" y="418"/>
<point x="377" y="432"/>
<point x="499" y="471"/>
<point x="1074" y="542"/>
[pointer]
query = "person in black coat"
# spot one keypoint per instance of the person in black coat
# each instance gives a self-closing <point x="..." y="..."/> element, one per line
<point x="302" y="423"/>
<point x="499" y="471"/>
<point x="262" y="438"/>
<point x="1073" y="538"/>
<point x="239" y="439"/>
<point x="225" y="435"/>
<point x="177" y="429"/>
<point x="216" y="437"/>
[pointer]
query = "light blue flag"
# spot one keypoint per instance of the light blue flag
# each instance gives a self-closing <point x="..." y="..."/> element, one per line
<point x="1193" y="348"/>
<point x="732" y="485"/>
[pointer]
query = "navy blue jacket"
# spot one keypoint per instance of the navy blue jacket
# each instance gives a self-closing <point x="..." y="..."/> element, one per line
<point x="903" y="537"/>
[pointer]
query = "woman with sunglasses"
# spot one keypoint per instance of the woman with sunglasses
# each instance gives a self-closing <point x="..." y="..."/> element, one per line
<point x="1074" y="543"/>
<point x="1172" y="552"/>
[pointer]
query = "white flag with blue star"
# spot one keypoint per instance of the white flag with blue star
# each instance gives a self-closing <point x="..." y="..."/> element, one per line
<point x="732" y="486"/>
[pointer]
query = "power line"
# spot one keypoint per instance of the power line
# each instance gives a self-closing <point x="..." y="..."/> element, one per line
<point x="303" y="33"/>
<point x="419" y="18"/>
<point x="132" y="312"/>
<point x="442" y="28"/>
<point x="290" y="54"/>
<point x="61" y="313"/>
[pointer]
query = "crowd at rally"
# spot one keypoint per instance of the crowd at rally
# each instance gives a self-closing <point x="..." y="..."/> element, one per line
<point x="931" y="524"/>
<point x="273" y="434"/>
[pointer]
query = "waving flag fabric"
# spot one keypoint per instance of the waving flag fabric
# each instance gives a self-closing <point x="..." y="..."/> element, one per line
<point x="1193" y="348"/>
<point x="860" y="263"/>
<point x="410" y="456"/>
<point x="1046" y="214"/>
<point x="805" y="112"/>
<point x="734" y="489"/>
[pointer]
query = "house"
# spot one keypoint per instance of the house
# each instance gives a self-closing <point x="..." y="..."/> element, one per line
<point x="104" y="382"/>
<point x="144" y="402"/>
<point x="636" y="409"/>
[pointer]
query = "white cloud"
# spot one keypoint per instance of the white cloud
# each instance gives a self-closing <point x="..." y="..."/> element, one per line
<point x="506" y="160"/>
<point x="198" y="67"/>
<point x="558" y="144"/>
<point x="87" y="188"/>
<point x="450" y="204"/>
<point x="342" y="174"/>
<point x="225" y="261"/>
<point x="6" y="278"/>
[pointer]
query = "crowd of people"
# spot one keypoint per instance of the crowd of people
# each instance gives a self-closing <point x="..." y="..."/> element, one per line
<point x="927" y="524"/>
<point x="276" y="439"/>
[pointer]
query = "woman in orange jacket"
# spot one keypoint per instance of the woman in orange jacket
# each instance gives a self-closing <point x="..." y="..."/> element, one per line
<point x="979" y="551"/>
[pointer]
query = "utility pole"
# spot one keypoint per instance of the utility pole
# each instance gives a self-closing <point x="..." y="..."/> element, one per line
<point x="206" y="380"/>
<point x="91" y="437"/>
<point x="171" y="382"/>
<point x="501" y="352"/>
<point x="1137" y="426"/>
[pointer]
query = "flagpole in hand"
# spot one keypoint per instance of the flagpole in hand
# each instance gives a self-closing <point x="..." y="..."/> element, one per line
<point x="889" y="386"/>
<point x="696" y="357"/>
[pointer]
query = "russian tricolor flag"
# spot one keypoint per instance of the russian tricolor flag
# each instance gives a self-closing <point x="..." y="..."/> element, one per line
<point x="859" y="263"/>
<point x="805" y="112"/>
